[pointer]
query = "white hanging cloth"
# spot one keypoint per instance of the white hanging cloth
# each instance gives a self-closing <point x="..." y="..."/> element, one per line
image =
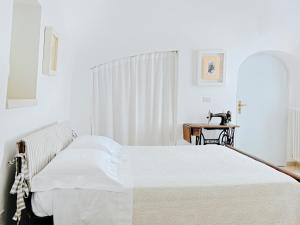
<point x="135" y="99"/>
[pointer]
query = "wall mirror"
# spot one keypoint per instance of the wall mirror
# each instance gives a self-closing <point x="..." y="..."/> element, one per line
<point x="24" y="53"/>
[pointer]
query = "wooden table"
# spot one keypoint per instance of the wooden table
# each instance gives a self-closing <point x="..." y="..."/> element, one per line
<point x="226" y="137"/>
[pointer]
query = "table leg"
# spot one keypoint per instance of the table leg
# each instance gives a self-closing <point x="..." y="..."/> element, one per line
<point x="200" y="136"/>
<point x="232" y="136"/>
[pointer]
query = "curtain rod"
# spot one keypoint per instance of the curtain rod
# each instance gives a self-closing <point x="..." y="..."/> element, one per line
<point x="131" y="56"/>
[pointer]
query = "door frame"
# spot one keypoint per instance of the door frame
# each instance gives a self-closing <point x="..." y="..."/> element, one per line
<point x="286" y="59"/>
<point x="282" y="57"/>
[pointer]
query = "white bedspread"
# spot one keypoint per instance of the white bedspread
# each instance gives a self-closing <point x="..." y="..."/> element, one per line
<point x="184" y="185"/>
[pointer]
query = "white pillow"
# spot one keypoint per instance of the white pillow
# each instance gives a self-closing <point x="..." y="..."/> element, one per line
<point x="83" y="168"/>
<point x="97" y="142"/>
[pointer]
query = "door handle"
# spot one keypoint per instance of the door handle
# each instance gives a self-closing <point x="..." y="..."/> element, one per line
<point x="240" y="105"/>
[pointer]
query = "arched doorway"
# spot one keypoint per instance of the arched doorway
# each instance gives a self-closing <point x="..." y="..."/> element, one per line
<point x="263" y="107"/>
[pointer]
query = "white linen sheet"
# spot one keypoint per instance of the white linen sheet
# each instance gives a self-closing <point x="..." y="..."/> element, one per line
<point x="184" y="185"/>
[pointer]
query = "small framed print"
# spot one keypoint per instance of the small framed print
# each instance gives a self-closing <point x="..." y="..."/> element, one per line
<point x="211" y="67"/>
<point x="50" y="51"/>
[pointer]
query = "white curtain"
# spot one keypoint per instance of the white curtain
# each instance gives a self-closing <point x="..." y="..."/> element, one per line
<point x="135" y="99"/>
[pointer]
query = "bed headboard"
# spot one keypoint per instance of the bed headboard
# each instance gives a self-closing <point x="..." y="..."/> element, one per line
<point x="41" y="146"/>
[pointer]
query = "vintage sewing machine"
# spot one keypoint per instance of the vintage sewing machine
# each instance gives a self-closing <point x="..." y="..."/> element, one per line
<point x="225" y="117"/>
<point x="224" y="137"/>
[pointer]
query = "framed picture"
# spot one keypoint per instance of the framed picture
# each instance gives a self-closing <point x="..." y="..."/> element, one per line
<point x="211" y="67"/>
<point x="50" y="56"/>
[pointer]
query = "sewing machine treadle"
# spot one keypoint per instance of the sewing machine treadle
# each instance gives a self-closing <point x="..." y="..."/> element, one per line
<point x="226" y="137"/>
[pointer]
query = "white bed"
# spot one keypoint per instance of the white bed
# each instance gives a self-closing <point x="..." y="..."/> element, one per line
<point x="182" y="185"/>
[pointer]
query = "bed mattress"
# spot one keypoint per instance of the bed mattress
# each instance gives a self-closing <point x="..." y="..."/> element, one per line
<point x="185" y="185"/>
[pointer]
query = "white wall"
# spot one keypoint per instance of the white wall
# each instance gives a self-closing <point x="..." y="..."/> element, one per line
<point x="112" y="29"/>
<point x="53" y="93"/>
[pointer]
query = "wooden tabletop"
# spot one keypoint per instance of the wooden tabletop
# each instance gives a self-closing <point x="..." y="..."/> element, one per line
<point x="206" y="125"/>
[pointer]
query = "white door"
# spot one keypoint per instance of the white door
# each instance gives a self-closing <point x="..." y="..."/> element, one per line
<point x="263" y="88"/>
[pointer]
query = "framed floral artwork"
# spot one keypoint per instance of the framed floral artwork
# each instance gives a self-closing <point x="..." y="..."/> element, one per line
<point x="211" y="67"/>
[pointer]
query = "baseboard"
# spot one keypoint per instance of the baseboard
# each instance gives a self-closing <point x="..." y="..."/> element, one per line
<point x="293" y="163"/>
<point x="2" y="217"/>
